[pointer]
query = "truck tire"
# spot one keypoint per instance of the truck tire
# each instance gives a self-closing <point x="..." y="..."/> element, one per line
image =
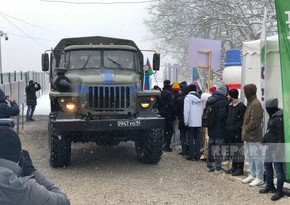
<point x="149" y="146"/>
<point x="59" y="149"/>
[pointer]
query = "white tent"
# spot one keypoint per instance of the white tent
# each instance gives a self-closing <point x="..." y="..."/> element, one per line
<point x="252" y="67"/>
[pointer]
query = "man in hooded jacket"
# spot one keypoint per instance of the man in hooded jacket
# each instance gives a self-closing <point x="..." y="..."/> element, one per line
<point x="252" y="135"/>
<point x="217" y="133"/>
<point x="274" y="140"/>
<point x="20" y="182"/>
<point x="7" y="111"/>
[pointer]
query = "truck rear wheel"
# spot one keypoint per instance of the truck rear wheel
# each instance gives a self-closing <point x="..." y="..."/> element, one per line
<point x="59" y="149"/>
<point x="149" y="146"/>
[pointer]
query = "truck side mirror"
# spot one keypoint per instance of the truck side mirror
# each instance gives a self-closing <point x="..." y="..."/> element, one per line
<point x="45" y="62"/>
<point x="156" y="61"/>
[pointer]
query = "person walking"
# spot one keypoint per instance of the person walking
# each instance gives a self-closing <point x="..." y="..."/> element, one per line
<point x="234" y="131"/>
<point x="274" y="140"/>
<point x="192" y="119"/>
<point x="166" y="110"/>
<point x="31" y="102"/>
<point x="252" y="135"/>
<point x="217" y="132"/>
<point x="6" y="110"/>
<point x="20" y="182"/>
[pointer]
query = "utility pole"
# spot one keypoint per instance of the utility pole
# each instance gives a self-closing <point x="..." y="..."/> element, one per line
<point x="6" y="38"/>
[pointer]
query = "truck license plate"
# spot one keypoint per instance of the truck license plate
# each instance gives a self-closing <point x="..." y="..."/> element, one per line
<point x="127" y="123"/>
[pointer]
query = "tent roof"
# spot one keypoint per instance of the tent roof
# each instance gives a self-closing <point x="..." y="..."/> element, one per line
<point x="253" y="47"/>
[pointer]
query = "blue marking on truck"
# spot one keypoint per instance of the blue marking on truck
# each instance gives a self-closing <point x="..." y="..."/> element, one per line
<point x="108" y="77"/>
<point x="83" y="89"/>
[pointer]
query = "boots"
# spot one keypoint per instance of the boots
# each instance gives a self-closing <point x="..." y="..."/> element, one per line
<point x="269" y="188"/>
<point x="278" y="194"/>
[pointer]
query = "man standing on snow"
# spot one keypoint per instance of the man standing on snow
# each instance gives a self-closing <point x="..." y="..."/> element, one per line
<point x="31" y="103"/>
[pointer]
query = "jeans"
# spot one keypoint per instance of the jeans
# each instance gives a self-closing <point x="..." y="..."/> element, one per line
<point x="279" y="169"/>
<point x="194" y="142"/>
<point x="168" y="132"/>
<point x="254" y="155"/>
<point x="214" y="152"/>
<point x="30" y="111"/>
<point x="183" y="140"/>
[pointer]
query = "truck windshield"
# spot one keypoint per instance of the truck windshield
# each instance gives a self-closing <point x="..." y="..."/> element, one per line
<point x="119" y="59"/>
<point x="83" y="59"/>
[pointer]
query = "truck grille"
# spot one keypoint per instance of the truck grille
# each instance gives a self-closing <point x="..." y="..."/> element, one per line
<point x="109" y="98"/>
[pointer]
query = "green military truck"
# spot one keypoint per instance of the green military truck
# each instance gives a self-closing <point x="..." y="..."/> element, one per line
<point x="97" y="95"/>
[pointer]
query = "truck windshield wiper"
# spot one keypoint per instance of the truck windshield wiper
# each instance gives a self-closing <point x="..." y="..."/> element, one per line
<point x="119" y="65"/>
<point x="86" y="62"/>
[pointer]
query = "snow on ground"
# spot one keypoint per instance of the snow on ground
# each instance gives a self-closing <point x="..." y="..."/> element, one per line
<point x="43" y="105"/>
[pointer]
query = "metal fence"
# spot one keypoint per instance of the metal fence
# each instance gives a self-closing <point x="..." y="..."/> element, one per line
<point x="13" y="84"/>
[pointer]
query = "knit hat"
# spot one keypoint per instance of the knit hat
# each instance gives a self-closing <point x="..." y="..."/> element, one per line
<point x="175" y="87"/>
<point x="272" y="103"/>
<point x="222" y="90"/>
<point x="166" y="82"/>
<point x="212" y="89"/>
<point x="234" y="93"/>
<point x="10" y="145"/>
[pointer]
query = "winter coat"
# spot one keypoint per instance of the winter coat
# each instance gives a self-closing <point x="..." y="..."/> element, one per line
<point x="252" y="125"/>
<point x="192" y="110"/>
<point x="180" y="106"/>
<point x="30" y="190"/>
<point x="31" y="93"/>
<point x="166" y="104"/>
<point x="275" y="129"/>
<point x="7" y="111"/>
<point x="218" y="130"/>
<point x="235" y="122"/>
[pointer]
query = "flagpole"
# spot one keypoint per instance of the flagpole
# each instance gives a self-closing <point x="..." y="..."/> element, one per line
<point x="263" y="45"/>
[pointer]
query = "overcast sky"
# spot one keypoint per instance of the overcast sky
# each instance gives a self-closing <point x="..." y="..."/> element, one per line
<point x="34" y="26"/>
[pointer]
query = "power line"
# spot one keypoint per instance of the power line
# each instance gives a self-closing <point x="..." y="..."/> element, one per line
<point x="42" y="39"/>
<point x="24" y="32"/>
<point x="93" y="2"/>
<point x="28" y="23"/>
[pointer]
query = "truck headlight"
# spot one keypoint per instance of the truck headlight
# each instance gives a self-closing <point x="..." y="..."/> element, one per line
<point x="145" y="104"/>
<point x="70" y="106"/>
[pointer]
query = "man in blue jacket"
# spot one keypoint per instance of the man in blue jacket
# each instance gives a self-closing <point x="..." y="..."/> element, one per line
<point x="20" y="182"/>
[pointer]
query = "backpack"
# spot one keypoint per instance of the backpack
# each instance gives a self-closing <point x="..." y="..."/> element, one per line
<point x="208" y="116"/>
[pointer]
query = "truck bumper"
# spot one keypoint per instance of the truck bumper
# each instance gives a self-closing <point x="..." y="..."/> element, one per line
<point x="106" y="124"/>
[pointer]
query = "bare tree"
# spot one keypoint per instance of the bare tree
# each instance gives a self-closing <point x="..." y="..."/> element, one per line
<point x="232" y="22"/>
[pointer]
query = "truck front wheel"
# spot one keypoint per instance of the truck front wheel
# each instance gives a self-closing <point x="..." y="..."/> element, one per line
<point x="59" y="149"/>
<point x="149" y="146"/>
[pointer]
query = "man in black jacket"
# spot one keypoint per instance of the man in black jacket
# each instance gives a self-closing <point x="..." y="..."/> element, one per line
<point x="31" y="103"/>
<point x="20" y="182"/>
<point x="274" y="140"/>
<point x="7" y="111"/>
<point x="217" y="133"/>
<point x="166" y="109"/>
<point x="234" y="131"/>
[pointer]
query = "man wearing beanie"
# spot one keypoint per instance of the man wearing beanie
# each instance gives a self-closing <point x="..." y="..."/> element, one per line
<point x="6" y="111"/>
<point x="217" y="132"/>
<point x="234" y="131"/>
<point x="273" y="136"/>
<point x="20" y="182"/>
<point x="252" y="135"/>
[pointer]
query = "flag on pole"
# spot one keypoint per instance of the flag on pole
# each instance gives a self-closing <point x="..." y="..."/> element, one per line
<point x="283" y="22"/>
<point x="147" y="76"/>
<point x="263" y="65"/>
<point x="150" y="70"/>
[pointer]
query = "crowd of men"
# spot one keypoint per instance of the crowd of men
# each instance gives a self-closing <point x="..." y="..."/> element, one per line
<point x="233" y="124"/>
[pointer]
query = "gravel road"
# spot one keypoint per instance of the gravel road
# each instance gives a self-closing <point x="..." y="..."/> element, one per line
<point x="112" y="175"/>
